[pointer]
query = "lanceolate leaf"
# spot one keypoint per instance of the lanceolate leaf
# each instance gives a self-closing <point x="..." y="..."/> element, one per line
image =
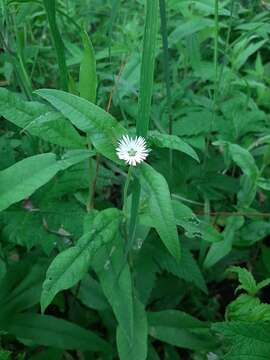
<point x="172" y="142"/>
<point x="147" y="68"/>
<point x="49" y="331"/>
<point x="222" y="248"/>
<point x="160" y="207"/>
<point x="244" y="160"/>
<point x="136" y="349"/>
<point x="70" y="266"/>
<point x="39" y="120"/>
<point x="180" y="329"/>
<point x="103" y="129"/>
<point x="22" y="179"/>
<point x="116" y="283"/>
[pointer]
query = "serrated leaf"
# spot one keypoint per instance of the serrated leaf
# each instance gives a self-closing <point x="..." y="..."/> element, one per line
<point x="246" y="279"/>
<point x="160" y="207"/>
<point x="244" y="160"/>
<point x="172" y="142"/>
<point x="103" y="129"/>
<point x="70" y="266"/>
<point x="248" y="340"/>
<point x="247" y="308"/>
<point x="22" y="179"/>
<point x="136" y="348"/>
<point x="30" y="232"/>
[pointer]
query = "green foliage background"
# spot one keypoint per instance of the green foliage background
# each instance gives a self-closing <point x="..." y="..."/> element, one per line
<point x="166" y="260"/>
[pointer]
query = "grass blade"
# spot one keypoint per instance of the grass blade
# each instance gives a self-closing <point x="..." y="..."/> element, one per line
<point x="50" y="7"/>
<point x="145" y="96"/>
<point x="147" y="69"/>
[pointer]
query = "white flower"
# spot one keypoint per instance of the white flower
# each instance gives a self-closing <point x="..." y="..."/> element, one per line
<point x="133" y="151"/>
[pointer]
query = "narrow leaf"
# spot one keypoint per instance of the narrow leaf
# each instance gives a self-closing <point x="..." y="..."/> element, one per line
<point x="49" y="331"/>
<point x="160" y="207"/>
<point x="88" y="75"/>
<point x="147" y="68"/>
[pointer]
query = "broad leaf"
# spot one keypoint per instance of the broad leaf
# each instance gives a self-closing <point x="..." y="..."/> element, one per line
<point x="39" y="120"/>
<point x="248" y="340"/>
<point x="70" y="266"/>
<point x="116" y="283"/>
<point x="20" y="180"/>
<point x="103" y="129"/>
<point x="172" y="142"/>
<point x="136" y="348"/>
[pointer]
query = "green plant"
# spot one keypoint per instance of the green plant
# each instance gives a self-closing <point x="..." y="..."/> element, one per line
<point x="101" y="259"/>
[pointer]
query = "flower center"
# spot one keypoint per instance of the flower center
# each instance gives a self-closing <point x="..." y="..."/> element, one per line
<point x="132" y="152"/>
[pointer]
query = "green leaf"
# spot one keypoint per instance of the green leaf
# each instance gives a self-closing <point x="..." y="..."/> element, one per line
<point x="192" y="225"/>
<point x="3" y="269"/>
<point x="39" y="120"/>
<point x="180" y="329"/>
<point x="70" y="266"/>
<point x="49" y="331"/>
<point x="248" y="308"/>
<point x="247" y="340"/>
<point x="116" y="284"/>
<point x="50" y="7"/>
<point x="222" y="248"/>
<point x="244" y="160"/>
<point x="91" y="294"/>
<point x="136" y="349"/>
<point x="160" y="207"/>
<point x="172" y="142"/>
<point x="31" y="231"/>
<point x="246" y="52"/>
<point x="25" y="291"/>
<point x="88" y="75"/>
<point x="147" y="68"/>
<point x="145" y="272"/>
<point x="246" y="279"/>
<point x="263" y="284"/>
<point x="186" y="269"/>
<point x="188" y="28"/>
<point x="26" y="176"/>
<point x="103" y="129"/>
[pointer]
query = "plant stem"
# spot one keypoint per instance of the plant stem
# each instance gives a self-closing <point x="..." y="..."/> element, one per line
<point x="125" y="195"/>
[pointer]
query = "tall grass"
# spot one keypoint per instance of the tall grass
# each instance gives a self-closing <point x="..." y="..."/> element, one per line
<point x="145" y="97"/>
